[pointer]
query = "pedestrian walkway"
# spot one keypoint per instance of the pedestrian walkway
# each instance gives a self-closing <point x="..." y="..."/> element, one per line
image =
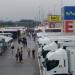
<point x="9" y="66"/>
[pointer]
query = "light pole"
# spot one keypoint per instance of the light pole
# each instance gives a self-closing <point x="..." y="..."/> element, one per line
<point x="61" y="3"/>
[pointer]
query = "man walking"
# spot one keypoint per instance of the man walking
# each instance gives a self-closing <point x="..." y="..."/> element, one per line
<point x="20" y="56"/>
<point x="28" y="50"/>
<point x="12" y="47"/>
<point x="33" y="54"/>
<point x="17" y="54"/>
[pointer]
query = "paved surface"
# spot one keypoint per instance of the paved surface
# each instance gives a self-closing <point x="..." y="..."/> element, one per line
<point x="9" y="66"/>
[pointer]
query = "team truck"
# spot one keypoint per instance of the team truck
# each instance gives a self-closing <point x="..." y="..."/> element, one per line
<point x="42" y="51"/>
<point x="48" y="48"/>
<point x="48" y="39"/>
<point x="61" y="61"/>
<point x="43" y="40"/>
<point x="70" y="42"/>
<point x="46" y="44"/>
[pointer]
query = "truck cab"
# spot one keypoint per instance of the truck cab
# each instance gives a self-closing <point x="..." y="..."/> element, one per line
<point x="56" y="62"/>
<point x="61" y="61"/>
<point x="48" y="48"/>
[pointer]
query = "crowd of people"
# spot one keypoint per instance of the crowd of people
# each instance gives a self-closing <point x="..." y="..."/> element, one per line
<point x="19" y="52"/>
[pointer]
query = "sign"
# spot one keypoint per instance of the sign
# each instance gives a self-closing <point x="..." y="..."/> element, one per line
<point x="69" y="13"/>
<point x="52" y="25"/>
<point x="68" y="26"/>
<point x="54" y="18"/>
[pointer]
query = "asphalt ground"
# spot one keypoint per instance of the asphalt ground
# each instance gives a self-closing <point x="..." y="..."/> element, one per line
<point x="29" y="66"/>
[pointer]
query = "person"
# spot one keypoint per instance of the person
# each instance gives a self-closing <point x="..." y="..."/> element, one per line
<point x="19" y="40"/>
<point x="33" y="53"/>
<point x="12" y="47"/>
<point x="21" y="48"/>
<point x="17" y="55"/>
<point x="20" y="56"/>
<point x="28" y="50"/>
<point x="34" y="36"/>
<point x="21" y="51"/>
<point x="24" y="41"/>
<point x="30" y="35"/>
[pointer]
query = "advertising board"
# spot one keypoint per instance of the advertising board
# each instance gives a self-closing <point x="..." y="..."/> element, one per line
<point x="69" y="18"/>
<point x="68" y="25"/>
<point x="69" y="12"/>
<point x="54" y="18"/>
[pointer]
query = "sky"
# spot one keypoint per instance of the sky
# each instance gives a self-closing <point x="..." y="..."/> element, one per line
<point x="31" y="9"/>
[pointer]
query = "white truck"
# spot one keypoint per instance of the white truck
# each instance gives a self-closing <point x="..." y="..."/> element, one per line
<point x="64" y="56"/>
<point x="61" y="61"/>
<point x="48" y="48"/>
<point x="47" y="44"/>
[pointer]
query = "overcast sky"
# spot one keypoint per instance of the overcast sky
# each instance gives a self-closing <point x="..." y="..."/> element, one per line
<point x="31" y="9"/>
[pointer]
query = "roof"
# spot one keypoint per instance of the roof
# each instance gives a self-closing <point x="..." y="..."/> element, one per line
<point x="52" y="46"/>
<point x="7" y="39"/>
<point x="3" y="29"/>
<point x="59" y="53"/>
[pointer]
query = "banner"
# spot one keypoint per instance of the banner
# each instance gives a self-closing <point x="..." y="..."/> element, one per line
<point x="69" y="25"/>
<point x="54" y="18"/>
<point x="69" y="13"/>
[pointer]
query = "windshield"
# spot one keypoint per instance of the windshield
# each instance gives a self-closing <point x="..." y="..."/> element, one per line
<point x="51" y="64"/>
<point x="44" y="53"/>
